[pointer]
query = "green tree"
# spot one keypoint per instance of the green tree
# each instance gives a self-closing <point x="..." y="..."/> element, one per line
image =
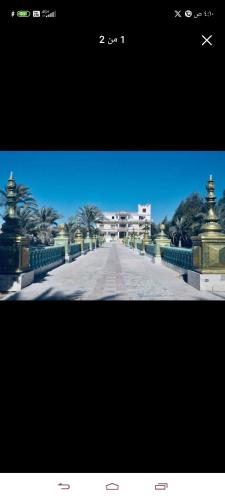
<point x="26" y="206"/>
<point x="221" y="211"/>
<point x="23" y="197"/>
<point x="154" y="229"/>
<point x="70" y="228"/>
<point x="44" y="224"/>
<point x="189" y="216"/>
<point x="178" y="232"/>
<point x="27" y="217"/>
<point x="167" y="225"/>
<point x="87" y="218"/>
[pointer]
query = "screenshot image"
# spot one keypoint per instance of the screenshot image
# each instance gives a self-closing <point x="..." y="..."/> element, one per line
<point x="112" y="225"/>
<point x="112" y="195"/>
<point x="112" y="162"/>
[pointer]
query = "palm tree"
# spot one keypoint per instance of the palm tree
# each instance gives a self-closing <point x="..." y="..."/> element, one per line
<point x="70" y="228"/>
<point x="87" y="218"/>
<point x="178" y="231"/>
<point x="23" y="196"/>
<point x="27" y="217"/>
<point x="44" y="221"/>
<point x="97" y="232"/>
<point x="198" y="221"/>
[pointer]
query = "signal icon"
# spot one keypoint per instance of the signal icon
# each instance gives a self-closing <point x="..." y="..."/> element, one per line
<point x="47" y="13"/>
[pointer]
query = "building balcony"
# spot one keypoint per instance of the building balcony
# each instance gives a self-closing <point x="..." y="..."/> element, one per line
<point x="128" y="220"/>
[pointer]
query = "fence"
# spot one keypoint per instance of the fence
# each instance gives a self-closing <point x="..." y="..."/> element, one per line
<point x="150" y="249"/>
<point x="179" y="257"/>
<point x="86" y="247"/>
<point x="74" y="250"/>
<point x="140" y="245"/>
<point x="43" y="259"/>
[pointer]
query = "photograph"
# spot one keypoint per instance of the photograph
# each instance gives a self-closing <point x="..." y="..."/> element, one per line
<point x="112" y="225"/>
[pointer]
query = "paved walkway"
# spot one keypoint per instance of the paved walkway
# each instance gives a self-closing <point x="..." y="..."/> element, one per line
<point x="112" y="272"/>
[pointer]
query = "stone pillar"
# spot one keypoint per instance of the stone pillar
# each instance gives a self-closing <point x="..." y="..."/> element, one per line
<point x="15" y="271"/>
<point x="209" y="249"/>
<point x="161" y="240"/>
<point x="63" y="240"/>
<point x="88" y="240"/>
<point x="146" y="239"/>
<point x="78" y="239"/>
<point x="93" y="239"/>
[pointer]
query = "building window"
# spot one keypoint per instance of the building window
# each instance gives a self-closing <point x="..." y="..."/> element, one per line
<point x="113" y="217"/>
<point x="141" y="217"/>
<point x="144" y="210"/>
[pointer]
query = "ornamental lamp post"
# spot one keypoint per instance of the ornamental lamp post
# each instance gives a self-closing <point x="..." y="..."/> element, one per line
<point x="14" y="247"/>
<point x="161" y="240"/>
<point x="93" y="239"/>
<point x="62" y="239"/>
<point x="209" y="245"/>
<point x="88" y="239"/>
<point x="78" y="239"/>
<point x="146" y="238"/>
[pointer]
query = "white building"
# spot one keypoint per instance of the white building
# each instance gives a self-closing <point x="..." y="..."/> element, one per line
<point x="120" y="224"/>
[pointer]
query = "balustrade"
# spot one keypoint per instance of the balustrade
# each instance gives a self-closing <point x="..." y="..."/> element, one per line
<point x="180" y="257"/>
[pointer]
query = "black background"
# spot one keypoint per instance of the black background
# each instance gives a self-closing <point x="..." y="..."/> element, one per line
<point x="147" y="396"/>
<point x="62" y="89"/>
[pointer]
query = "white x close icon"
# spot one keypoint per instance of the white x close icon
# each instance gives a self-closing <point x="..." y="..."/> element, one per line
<point x="206" y="40"/>
<point x="177" y="12"/>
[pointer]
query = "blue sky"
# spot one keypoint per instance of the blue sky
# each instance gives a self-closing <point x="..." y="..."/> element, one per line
<point x="114" y="180"/>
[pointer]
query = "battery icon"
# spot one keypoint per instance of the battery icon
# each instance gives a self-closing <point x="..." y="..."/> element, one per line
<point x="23" y="13"/>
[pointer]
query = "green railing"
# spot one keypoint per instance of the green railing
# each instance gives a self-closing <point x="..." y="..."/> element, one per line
<point x="181" y="257"/>
<point x="74" y="249"/>
<point x="44" y="256"/>
<point x="150" y="249"/>
<point x="86" y="246"/>
<point x="139" y="245"/>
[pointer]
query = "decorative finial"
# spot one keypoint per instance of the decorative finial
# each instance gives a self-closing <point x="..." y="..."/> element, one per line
<point x="161" y="237"/>
<point x="11" y="175"/>
<point x="12" y="221"/>
<point x="78" y="233"/>
<point x="161" y="232"/>
<point x="211" y="222"/>
<point x="62" y="230"/>
<point x="146" y="238"/>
